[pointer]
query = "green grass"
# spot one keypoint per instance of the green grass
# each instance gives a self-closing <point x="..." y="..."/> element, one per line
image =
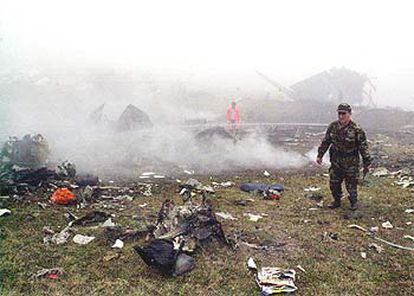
<point x="333" y="267"/>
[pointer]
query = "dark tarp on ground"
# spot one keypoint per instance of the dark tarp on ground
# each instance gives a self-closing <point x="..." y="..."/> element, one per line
<point x="250" y="187"/>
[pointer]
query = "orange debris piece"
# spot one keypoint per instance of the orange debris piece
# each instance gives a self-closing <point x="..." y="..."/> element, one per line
<point x="63" y="196"/>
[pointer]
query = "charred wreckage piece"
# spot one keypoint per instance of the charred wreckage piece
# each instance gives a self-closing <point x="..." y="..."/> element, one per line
<point x="24" y="166"/>
<point x="179" y="231"/>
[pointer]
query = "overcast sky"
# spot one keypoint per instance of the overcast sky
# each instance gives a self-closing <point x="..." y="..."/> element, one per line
<point x="287" y="39"/>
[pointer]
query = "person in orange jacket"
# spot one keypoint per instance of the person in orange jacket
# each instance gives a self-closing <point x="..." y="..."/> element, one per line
<point x="233" y="117"/>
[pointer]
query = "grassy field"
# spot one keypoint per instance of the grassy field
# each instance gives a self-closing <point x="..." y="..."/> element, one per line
<point x="333" y="267"/>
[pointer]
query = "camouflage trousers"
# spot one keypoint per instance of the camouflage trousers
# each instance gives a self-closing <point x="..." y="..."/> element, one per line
<point x="341" y="171"/>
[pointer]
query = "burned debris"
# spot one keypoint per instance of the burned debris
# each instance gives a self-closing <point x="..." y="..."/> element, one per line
<point x="23" y="163"/>
<point x="25" y="166"/>
<point x="133" y="119"/>
<point x="180" y="231"/>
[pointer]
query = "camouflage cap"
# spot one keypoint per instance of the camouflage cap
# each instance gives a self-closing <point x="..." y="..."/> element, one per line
<point x="344" y="107"/>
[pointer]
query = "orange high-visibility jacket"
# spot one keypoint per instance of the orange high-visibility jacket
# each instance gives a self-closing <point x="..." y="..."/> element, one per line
<point x="233" y="115"/>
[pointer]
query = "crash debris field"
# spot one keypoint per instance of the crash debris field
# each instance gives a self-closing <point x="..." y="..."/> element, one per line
<point x="190" y="233"/>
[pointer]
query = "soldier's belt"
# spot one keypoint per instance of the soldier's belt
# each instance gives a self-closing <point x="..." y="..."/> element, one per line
<point x="337" y="153"/>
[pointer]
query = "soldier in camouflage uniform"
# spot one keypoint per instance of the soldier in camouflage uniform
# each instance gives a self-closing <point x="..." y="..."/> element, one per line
<point x="346" y="141"/>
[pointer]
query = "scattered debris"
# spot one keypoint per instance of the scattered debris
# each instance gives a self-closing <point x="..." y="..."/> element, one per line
<point x="192" y="184"/>
<point x="374" y="229"/>
<point x="409" y="237"/>
<point x="145" y="189"/>
<point x="377" y="248"/>
<point x="91" y="218"/>
<point x="270" y="247"/>
<point x="17" y="179"/>
<point x="110" y="255"/>
<point x="331" y="235"/>
<point x="122" y="197"/>
<point x="268" y="191"/>
<point x="273" y="280"/>
<point x="380" y="172"/>
<point x="312" y="189"/>
<point x="58" y="238"/>
<point x="180" y="229"/>
<point x="409" y="211"/>
<point x="191" y="224"/>
<point x="253" y="217"/>
<point x="125" y="234"/>
<point x="108" y="223"/>
<point x="52" y="273"/>
<point x="266" y="173"/>
<point x="225" y="216"/>
<point x="316" y="196"/>
<point x="183" y="264"/>
<point x="149" y="175"/>
<point x="63" y="196"/>
<point x="42" y="205"/>
<point x="5" y="212"/>
<point x="82" y="239"/>
<point x="380" y="239"/>
<point x="66" y="170"/>
<point x="405" y="182"/>
<point x="300" y="268"/>
<point x="387" y="225"/>
<point x="161" y="255"/>
<point x="226" y="184"/>
<point x="191" y="187"/>
<point x="364" y="255"/>
<point x="118" y="244"/>
<point x="86" y="180"/>
<point x="206" y="138"/>
<point x="243" y="202"/>
<point x="401" y="172"/>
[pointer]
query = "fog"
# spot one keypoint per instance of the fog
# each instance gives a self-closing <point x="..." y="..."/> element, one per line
<point x="59" y="61"/>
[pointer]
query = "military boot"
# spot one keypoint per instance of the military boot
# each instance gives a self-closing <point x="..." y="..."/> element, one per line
<point x="354" y="203"/>
<point x="335" y="204"/>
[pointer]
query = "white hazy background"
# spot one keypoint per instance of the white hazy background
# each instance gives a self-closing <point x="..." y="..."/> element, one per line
<point x="211" y="43"/>
<point x="219" y="39"/>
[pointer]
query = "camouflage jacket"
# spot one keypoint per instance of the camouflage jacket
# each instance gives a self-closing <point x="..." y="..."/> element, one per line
<point x="345" y="142"/>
